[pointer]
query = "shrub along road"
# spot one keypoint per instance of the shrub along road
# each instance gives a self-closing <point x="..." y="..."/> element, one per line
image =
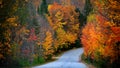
<point x="69" y="59"/>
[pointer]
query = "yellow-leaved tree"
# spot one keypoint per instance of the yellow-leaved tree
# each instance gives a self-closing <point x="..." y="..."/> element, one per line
<point x="47" y="45"/>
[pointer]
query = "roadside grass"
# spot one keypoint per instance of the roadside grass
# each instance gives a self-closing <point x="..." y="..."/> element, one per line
<point x="101" y="63"/>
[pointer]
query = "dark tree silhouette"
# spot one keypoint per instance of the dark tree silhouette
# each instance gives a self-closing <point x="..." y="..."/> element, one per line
<point x="43" y="8"/>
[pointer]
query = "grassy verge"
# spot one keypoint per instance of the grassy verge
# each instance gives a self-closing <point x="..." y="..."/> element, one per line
<point x="100" y="63"/>
<point x="87" y="62"/>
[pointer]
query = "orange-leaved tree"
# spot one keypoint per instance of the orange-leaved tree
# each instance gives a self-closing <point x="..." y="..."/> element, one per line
<point x="100" y="39"/>
<point x="64" y="21"/>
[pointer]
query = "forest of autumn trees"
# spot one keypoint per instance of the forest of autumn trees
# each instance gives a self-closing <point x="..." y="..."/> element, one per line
<point x="17" y="36"/>
<point x="96" y="27"/>
<point x="20" y="41"/>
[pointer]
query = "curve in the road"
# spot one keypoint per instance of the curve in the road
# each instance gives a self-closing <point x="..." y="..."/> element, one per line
<point x="69" y="59"/>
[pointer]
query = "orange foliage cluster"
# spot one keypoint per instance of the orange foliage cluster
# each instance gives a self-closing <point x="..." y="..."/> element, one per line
<point x="64" y="20"/>
<point x="100" y="39"/>
<point x="109" y="9"/>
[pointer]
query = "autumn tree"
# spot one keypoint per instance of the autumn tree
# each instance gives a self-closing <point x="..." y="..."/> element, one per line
<point x="102" y="32"/>
<point x="110" y="10"/>
<point x="47" y="45"/>
<point x="64" y="20"/>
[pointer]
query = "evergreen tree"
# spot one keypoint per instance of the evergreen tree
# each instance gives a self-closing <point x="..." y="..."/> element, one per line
<point x="43" y="8"/>
<point x="87" y="8"/>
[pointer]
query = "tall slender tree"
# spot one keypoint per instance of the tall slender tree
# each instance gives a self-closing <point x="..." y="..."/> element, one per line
<point x="87" y="7"/>
<point x="43" y="8"/>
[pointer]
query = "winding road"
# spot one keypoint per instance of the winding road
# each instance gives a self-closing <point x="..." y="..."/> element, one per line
<point x="69" y="59"/>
